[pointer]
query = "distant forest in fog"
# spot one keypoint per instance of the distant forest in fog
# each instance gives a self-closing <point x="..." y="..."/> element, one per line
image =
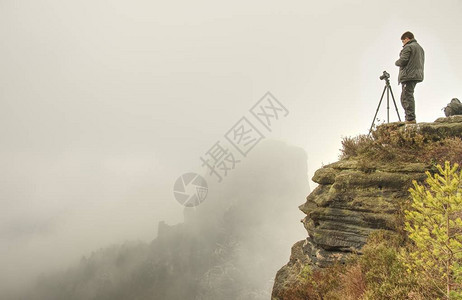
<point x="228" y="247"/>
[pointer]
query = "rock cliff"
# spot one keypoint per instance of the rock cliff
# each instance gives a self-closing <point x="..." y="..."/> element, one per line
<point x="356" y="196"/>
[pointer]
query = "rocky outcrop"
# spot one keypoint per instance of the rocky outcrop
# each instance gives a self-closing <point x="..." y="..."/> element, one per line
<point x="353" y="199"/>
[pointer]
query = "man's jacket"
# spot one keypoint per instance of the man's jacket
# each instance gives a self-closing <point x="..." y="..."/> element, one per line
<point x="411" y="62"/>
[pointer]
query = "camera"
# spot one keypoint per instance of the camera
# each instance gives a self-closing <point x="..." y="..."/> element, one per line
<point x="384" y="75"/>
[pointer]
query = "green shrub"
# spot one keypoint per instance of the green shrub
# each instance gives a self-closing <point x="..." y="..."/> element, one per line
<point x="383" y="271"/>
<point x="434" y="225"/>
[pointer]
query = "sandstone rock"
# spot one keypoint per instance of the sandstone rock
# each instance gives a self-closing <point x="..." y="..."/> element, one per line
<point x="354" y="199"/>
<point x="438" y="130"/>
<point x="325" y="175"/>
<point x="451" y="119"/>
<point x="289" y="275"/>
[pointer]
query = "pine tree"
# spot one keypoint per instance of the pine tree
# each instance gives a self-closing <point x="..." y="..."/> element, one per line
<point x="434" y="225"/>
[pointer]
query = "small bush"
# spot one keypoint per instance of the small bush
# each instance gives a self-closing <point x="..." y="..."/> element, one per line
<point x="353" y="282"/>
<point x="325" y="283"/>
<point x="447" y="149"/>
<point x="318" y="284"/>
<point x="355" y="146"/>
<point x="383" y="271"/>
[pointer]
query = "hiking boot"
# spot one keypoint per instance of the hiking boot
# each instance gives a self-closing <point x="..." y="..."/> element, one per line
<point x="411" y="121"/>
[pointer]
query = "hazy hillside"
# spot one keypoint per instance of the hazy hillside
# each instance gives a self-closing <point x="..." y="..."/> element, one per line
<point x="229" y="247"/>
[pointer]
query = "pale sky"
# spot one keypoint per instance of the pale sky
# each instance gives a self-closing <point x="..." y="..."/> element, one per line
<point x="105" y="103"/>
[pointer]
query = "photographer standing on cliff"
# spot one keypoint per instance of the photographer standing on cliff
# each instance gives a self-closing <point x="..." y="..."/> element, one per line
<point x="411" y="70"/>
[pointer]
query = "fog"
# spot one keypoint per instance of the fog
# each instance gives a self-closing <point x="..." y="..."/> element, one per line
<point x="104" y="104"/>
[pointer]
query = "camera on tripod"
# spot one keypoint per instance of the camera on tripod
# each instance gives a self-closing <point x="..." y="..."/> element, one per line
<point x="384" y="75"/>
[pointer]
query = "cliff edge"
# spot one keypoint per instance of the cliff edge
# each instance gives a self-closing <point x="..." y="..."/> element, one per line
<point x="363" y="191"/>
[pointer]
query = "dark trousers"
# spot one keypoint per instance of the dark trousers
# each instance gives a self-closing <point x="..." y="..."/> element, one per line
<point x="407" y="99"/>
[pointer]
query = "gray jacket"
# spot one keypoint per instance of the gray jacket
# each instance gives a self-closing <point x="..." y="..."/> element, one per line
<point x="411" y="62"/>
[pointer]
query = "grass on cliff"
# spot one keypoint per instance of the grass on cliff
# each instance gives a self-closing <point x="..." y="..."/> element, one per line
<point x="377" y="274"/>
<point x="389" y="142"/>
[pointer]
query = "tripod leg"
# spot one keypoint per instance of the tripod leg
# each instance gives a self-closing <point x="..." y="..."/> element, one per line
<point x="388" y="106"/>
<point x="378" y="107"/>
<point x="396" y="107"/>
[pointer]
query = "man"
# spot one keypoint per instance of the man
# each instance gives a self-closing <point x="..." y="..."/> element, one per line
<point x="411" y="70"/>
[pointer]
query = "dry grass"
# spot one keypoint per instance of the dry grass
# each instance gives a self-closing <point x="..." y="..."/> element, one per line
<point x="388" y="143"/>
<point x="377" y="274"/>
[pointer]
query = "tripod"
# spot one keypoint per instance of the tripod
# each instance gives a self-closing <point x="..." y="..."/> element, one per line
<point x="387" y="88"/>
